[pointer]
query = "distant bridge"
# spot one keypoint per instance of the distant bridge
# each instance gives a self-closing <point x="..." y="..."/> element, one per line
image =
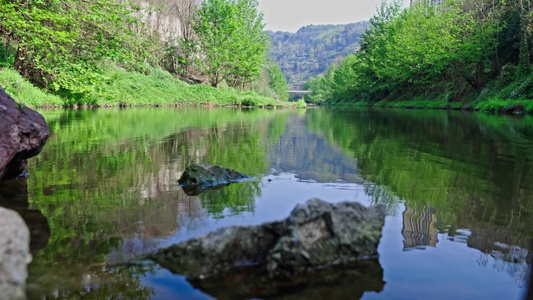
<point x="296" y="92"/>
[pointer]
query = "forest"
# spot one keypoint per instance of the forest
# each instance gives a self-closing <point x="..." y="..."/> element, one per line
<point x="107" y="52"/>
<point x="460" y="55"/>
<point x="312" y="49"/>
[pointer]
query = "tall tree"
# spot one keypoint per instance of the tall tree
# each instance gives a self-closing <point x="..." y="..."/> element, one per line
<point x="231" y="41"/>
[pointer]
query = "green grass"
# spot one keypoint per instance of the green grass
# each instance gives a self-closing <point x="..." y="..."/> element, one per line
<point x="509" y="97"/>
<point x="123" y="88"/>
<point x="301" y="103"/>
<point x="499" y="105"/>
<point x="24" y="92"/>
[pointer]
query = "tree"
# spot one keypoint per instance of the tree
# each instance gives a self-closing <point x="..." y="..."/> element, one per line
<point x="278" y="82"/>
<point x="61" y="42"/>
<point x="231" y="41"/>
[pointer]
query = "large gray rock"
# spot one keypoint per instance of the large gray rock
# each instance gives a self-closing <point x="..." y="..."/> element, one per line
<point x="315" y="235"/>
<point x="23" y="133"/>
<point x="197" y="179"/>
<point x="14" y="255"/>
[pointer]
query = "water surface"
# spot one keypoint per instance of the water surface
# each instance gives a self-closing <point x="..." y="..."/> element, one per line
<point x="458" y="190"/>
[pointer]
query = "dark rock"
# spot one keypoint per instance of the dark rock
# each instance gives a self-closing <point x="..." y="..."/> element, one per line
<point x="23" y="133"/>
<point x="316" y="234"/>
<point x="14" y="196"/>
<point x="513" y="109"/>
<point x="199" y="178"/>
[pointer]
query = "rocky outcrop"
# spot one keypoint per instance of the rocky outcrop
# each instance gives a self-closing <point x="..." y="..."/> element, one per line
<point x="202" y="177"/>
<point x="316" y="234"/>
<point x="14" y="255"/>
<point x="23" y="133"/>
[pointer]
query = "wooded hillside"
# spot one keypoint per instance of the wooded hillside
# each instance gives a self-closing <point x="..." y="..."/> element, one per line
<point x="312" y="49"/>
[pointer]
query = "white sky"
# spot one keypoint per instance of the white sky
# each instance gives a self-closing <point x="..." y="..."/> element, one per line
<point x="290" y="15"/>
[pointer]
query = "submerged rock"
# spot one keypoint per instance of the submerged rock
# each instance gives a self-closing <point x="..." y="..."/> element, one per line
<point x="199" y="178"/>
<point x="23" y="133"/>
<point x="14" y="255"/>
<point x="315" y="235"/>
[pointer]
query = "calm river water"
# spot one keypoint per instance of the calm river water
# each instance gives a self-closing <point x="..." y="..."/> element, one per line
<point x="458" y="189"/>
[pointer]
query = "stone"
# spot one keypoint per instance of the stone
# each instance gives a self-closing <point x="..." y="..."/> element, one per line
<point x="14" y="255"/>
<point x="197" y="179"/>
<point x="23" y="134"/>
<point x="317" y="234"/>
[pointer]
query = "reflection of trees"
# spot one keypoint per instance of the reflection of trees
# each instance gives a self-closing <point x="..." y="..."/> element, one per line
<point x="120" y="283"/>
<point x="107" y="182"/>
<point x="474" y="170"/>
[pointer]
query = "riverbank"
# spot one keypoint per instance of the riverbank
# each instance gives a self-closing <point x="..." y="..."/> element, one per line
<point x="129" y="89"/>
<point x="489" y="106"/>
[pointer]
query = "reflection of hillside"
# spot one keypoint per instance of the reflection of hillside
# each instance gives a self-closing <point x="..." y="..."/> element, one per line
<point x="311" y="157"/>
<point x="474" y="171"/>
<point x="108" y="181"/>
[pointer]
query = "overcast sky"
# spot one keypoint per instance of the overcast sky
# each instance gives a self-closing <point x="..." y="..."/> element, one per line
<point x="290" y="15"/>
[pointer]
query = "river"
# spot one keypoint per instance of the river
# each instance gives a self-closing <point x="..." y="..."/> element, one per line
<point x="457" y="186"/>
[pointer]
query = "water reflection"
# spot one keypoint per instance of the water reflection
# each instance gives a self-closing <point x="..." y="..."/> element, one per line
<point x="14" y="196"/>
<point x="419" y="228"/>
<point x="107" y="180"/>
<point x="457" y="185"/>
<point x="326" y="284"/>
<point x="465" y="175"/>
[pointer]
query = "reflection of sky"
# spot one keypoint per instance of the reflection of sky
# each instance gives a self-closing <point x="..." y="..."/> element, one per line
<point x="450" y="270"/>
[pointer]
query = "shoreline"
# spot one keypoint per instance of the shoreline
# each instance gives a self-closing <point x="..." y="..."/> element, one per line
<point x="178" y="105"/>
<point x="517" y="108"/>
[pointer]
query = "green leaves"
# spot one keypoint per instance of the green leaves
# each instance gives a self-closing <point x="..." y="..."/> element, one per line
<point x="61" y="42"/>
<point x="231" y="41"/>
<point x="413" y="51"/>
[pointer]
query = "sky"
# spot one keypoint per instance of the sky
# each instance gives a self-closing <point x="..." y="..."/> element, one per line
<point x="290" y="15"/>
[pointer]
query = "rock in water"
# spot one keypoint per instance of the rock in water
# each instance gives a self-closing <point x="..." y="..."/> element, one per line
<point x="199" y="178"/>
<point x="316" y="234"/>
<point x="14" y="255"/>
<point x="23" y="133"/>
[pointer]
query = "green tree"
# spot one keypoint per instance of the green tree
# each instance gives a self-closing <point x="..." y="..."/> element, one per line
<point x="278" y="82"/>
<point x="61" y="42"/>
<point x="231" y="41"/>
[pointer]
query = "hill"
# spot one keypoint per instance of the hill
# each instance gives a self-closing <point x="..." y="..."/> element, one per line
<point x="312" y="49"/>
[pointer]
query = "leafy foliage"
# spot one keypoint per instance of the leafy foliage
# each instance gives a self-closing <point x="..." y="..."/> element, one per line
<point x="272" y="83"/>
<point x="451" y="54"/>
<point x="60" y="43"/>
<point x="231" y="41"/>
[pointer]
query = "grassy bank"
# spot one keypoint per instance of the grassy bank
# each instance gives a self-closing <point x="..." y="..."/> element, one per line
<point x="123" y="88"/>
<point x="497" y="97"/>
<point x="492" y="105"/>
